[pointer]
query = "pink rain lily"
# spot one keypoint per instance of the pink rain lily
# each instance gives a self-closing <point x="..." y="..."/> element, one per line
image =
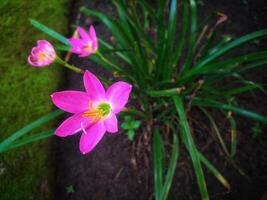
<point x="42" y="55"/>
<point x="87" y="43"/>
<point x="94" y="111"/>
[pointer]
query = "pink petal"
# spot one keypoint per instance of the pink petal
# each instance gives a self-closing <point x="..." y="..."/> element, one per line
<point x="118" y="94"/>
<point x="34" y="62"/>
<point x="84" y="35"/>
<point x="71" y="101"/>
<point x="92" y="136"/>
<point x="111" y="123"/>
<point x="76" y="43"/>
<point x="85" y="53"/>
<point x="92" y="34"/>
<point x="35" y="51"/>
<point x="46" y="47"/>
<point x="44" y="43"/>
<point x="93" y="86"/>
<point x="72" y="125"/>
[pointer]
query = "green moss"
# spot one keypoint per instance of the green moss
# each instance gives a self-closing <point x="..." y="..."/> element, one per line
<point x="25" y="95"/>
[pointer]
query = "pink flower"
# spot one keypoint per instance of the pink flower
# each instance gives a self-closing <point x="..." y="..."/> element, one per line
<point x="94" y="111"/>
<point x="42" y="55"/>
<point x="87" y="44"/>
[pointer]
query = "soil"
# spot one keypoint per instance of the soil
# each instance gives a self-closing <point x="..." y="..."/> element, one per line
<point x="111" y="171"/>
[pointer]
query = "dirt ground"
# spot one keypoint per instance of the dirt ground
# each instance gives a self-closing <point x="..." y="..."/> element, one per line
<point x="109" y="171"/>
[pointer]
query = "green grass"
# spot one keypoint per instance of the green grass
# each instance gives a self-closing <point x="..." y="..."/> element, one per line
<point x="25" y="173"/>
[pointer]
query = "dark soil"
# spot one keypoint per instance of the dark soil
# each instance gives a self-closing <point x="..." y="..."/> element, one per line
<point x="111" y="171"/>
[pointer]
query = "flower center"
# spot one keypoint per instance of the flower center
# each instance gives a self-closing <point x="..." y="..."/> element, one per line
<point x="100" y="112"/>
<point x="88" y="47"/>
<point x="42" y="56"/>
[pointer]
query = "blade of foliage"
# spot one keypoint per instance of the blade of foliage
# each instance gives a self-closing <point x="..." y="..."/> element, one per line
<point x="62" y="47"/>
<point x="216" y="130"/>
<point x="158" y="152"/>
<point x="120" y="54"/>
<point x="30" y="139"/>
<point x="187" y="137"/>
<point x="171" y="168"/>
<point x="48" y="117"/>
<point x="233" y="136"/>
<point x="167" y="69"/>
<point x="211" y="103"/>
<point x="182" y="35"/>
<point x="166" y="92"/>
<point x="237" y="42"/>
<point x="214" y="171"/>
<point x="49" y="31"/>
<point x="226" y="64"/>
<point x="193" y="32"/>
<point x="117" y="32"/>
<point x="134" y="20"/>
<point x="148" y="8"/>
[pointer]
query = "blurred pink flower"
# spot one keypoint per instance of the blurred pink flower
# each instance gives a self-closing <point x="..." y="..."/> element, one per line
<point x="94" y="111"/>
<point x="87" y="43"/>
<point x="42" y="55"/>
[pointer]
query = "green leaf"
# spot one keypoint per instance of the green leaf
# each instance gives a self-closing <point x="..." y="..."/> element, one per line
<point x="188" y="140"/>
<point x="131" y="134"/>
<point x="111" y="24"/>
<point x="237" y="42"/>
<point x="171" y="168"/>
<point x="120" y="54"/>
<point x="233" y="137"/>
<point x="211" y="103"/>
<point x="30" y="139"/>
<point x="181" y="40"/>
<point x="49" y="31"/>
<point x="7" y="142"/>
<point x="158" y="152"/>
<point x="192" y="36"/>
<point x="214" y="171"/>
<point x="226" y="64"/>
<point x="216" y="131"/>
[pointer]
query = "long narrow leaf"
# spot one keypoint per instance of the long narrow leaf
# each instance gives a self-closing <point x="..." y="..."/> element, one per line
<point x="158" y="152"/>
<point x="50" y="32"/>
<point x="192" y="37"/>
<point x="171" y="168"/>
<point x="214" y="171"/>
<point x="211" y="103"/>
<point x="240" y="41"/>
<point x="28" y="128"/>
<point x="188" y="139"/>
<point x="30" y="139"/>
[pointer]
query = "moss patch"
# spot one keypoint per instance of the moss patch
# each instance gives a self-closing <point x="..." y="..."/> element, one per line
<point x="25" y="95"/>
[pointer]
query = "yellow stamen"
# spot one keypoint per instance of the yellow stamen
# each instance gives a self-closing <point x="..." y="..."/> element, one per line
<point x="97" y="113"/>
<point x="42" y="56"/>
<point x="88" y="47"/>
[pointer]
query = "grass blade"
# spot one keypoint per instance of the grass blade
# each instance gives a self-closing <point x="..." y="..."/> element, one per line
<point x="192" y="37"/>
<point x="158" y="152"/>
<point x="182" y="36"/>
<point x="171" y="168"/>
<point x="233" y="136"/>
<point x="30" y="139"/>
<point x="240" y="41"/>
<point x="214" y="171"/>
<point x="7" y="142"/>
<point x="188" y="139"/>
<point x="49" y="31"/>
<point x="211" y="103"/>
<point x="216" y="130"/>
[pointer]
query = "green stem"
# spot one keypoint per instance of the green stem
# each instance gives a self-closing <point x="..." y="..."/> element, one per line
<point x="65" y="64"/>
<point x="115" y="67"/>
